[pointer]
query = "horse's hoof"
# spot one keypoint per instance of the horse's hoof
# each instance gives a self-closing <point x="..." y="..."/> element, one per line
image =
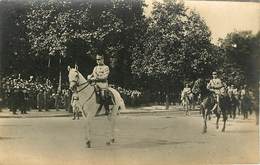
<point x="223" y="130"/>
<point x="111" y="141"/>
<point x="88" y="144"/>
<point x="217" y="127"/>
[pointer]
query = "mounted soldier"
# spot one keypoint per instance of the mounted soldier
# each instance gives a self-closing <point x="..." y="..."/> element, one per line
<point x="187" y="98"/>
<point x="185" y="92"/>
<point x="215" y="85"/>
<point x="99" y="76"/>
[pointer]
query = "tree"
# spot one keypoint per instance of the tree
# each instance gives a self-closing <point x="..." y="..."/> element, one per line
<point x="176" y="47"/>
<point x="14" y="46"/>
<point x="241" y="64"/>
<point x="80" y="30"/>
<point x="76" y="31"/>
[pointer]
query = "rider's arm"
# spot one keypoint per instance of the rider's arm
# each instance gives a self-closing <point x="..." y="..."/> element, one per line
<point x="209" y="86"/>
<point x="92" y="75"/>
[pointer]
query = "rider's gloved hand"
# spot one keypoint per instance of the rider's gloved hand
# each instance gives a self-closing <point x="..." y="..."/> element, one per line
<point x="91" y="78"/>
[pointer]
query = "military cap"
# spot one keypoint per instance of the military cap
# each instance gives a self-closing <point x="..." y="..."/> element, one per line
<point x="99" y="57"/>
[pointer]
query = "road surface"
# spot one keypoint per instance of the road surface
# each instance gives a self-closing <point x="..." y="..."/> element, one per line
<point x="141" y="139"/>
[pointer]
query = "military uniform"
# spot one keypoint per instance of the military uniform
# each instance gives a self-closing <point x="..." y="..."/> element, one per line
<point x="215" y="85"/>
<point x="100" y="75"/>
<point x="75" y="105"/>
<point x="186" y="91"/>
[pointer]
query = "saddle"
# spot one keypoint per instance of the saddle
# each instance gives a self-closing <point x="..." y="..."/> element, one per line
<point x="106" y="99"/>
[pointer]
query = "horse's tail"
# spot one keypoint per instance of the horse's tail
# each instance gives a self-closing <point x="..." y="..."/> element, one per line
<point x="118" y="99"/>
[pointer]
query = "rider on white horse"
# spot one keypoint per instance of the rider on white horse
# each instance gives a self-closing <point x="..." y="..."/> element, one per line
<point x="185" y="92"/>
<point x="215" y="85"/>
<point x="100" y="75"/>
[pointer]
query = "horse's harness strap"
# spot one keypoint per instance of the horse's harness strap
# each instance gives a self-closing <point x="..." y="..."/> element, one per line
<point x="83" y="87"/>
<point x="90" y="96"/>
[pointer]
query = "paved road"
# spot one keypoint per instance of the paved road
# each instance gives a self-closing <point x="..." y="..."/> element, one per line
<point x="147" y="139"/>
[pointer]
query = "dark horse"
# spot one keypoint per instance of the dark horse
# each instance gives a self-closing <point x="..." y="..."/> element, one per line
<point x="209" y="101"/>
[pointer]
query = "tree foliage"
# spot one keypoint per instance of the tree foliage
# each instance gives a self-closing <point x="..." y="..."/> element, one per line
<point x="175" y="47"/>
<point x="80" y="30"/>
<point x="242" y="60"/>
<point x="53" y="25"/>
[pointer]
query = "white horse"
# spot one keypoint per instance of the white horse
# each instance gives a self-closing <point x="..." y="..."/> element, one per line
<point x="88" y="105"/>
<point x="188" y="103"/>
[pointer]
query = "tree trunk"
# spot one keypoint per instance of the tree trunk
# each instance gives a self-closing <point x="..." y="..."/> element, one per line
<point x="167" y="101"/>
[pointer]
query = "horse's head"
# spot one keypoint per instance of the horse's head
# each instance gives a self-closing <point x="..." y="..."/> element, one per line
<point x="73" y="77"/>
<point x="223" y="91"/>
<point x="198" y="86"/>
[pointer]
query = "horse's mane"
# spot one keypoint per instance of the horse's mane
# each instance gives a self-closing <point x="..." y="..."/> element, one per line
<point x="200" y="86"/>
<point x="80" y="75"/>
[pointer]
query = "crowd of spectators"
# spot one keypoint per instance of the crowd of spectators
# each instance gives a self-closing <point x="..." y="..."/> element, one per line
<point x="18" y="93"/>
<point x="132" y="98"/>
<point x="25" y="94"/>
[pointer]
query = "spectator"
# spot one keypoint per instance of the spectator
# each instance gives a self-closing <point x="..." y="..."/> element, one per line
<point x="75" y="106"/>
<point x="57" y="100"/>
<point x="46" y="99"/>
<point x="40" y="101"/>
<point x="67" y="99"/>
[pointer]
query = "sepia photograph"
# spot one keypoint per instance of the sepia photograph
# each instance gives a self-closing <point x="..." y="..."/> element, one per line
<point x="129" y="82"/>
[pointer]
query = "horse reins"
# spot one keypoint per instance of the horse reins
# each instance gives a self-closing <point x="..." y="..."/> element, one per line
<point x="83" y="87"/>
<point x="78" y="85"/>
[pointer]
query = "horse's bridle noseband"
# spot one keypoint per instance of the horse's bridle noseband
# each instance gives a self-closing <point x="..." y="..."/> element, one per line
<point x="78" y="85"/>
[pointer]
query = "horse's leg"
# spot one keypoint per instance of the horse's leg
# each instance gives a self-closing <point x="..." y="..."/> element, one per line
<point x="244" y="114"/>
<point x="203" y="110"/>
<point x="205" y="114"/>
<point x="224" y="119"/>
<point x="78" y="115"/>
<point x="193" y="104"/>
<point x="234" y="112"/>
<point x="112" y="120"/>
<point x="239" y="107"/>
<point x="218" y="117"/>
<point x="185" y="107"/>
<point x="87" y="124"/>
<point x="188" y="109"/>
<point x="231" y="113"/>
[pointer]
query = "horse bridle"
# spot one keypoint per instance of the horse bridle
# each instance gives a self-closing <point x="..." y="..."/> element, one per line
<point x="78" y="85"/>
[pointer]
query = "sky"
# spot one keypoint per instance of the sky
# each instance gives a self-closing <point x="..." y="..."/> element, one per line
<point x="223" y="17"/>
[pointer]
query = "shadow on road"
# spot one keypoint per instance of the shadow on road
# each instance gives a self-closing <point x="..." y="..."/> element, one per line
<point x="9" y="138"/>
<point x="149" y="144"/>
